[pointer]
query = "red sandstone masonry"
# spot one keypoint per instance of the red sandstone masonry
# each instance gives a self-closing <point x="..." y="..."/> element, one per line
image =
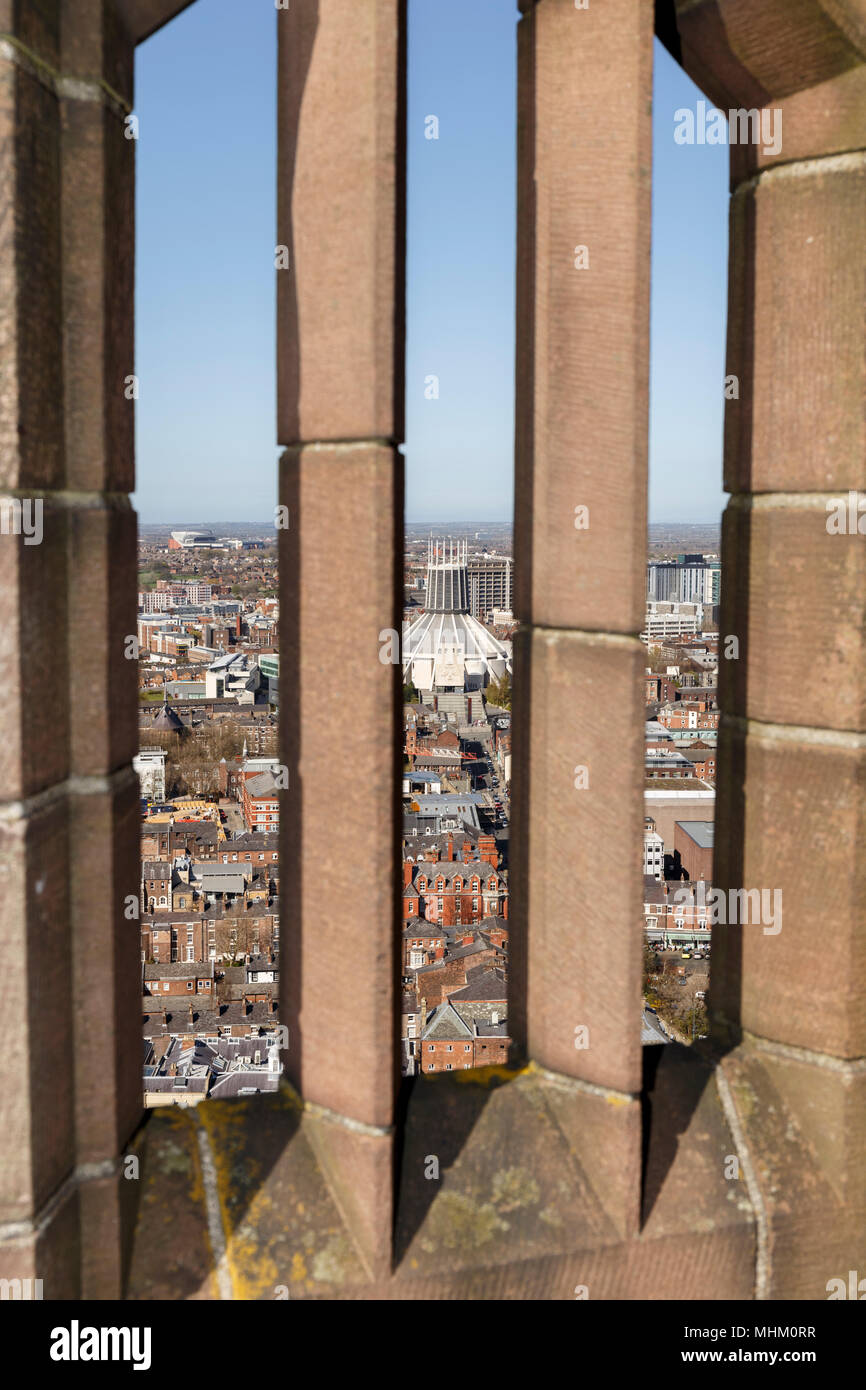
<point x="99" y="251"/>
<point x="340" y="213"/>
<point x="582" y="356"/>
<point x="338" y="853"/>
<point x="582" y="388"/>
<point x="795" y="327"/>
<point x="791" y="739"/>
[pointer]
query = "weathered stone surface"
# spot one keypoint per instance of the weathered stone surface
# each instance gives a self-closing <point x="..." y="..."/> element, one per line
<point x="98" y="264"/>
<point x="96" y="45"/>
<point x="794" y="803"/>
<point x="36" y="1103"/>
<point x="687" y="1176"/>
<point x="51" y="1251"/>
<point x="34" y="23"/>
<point x="583" y="333"/>
<point x="803" y="1125"/>
<point x="102" y="623"/>
<point x="106" y="966"/>
<point x="345" y="507"/>
<point x="517" y="1211"/>
<point x="574" y="965"/>
<point x="172" y="1256"/>
<point x="31" y="377"/>
<point x="359" y="1169"/>
<point x="510" y="1184"/>
<point x="795" y="598"/>
<point x="341" y="216"/>
<point x="109" y="1208"/>
<point x="795" y="329"/>
<point x="284" y="1230"/>
<point x="34" y="716"/>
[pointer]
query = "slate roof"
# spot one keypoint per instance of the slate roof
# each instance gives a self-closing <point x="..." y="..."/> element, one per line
<point x="180" y="970"/>
<point x="490" y="1030"/>
<point x="235" y="1083"/>
<point x="263" y="784"/>
<point x="166" y="721"/>
<point x="445" y="1023"/>
<point x="456" y="868"/>
<point x="482" y="983"/>
<point x="418" y="927"/>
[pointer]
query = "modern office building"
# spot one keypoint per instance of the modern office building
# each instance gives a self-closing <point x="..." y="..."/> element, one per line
<point x="692" y="580"/>
<point x="664" y="620"/>
<point x="490" y="584"/>
<point x="269" y="666"/>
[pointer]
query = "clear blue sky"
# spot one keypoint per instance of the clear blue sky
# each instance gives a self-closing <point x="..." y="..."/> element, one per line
<point x="205" y="294"/>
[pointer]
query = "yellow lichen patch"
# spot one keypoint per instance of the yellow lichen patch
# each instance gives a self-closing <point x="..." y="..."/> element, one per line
<point x="514" y="1188"/>
<point x="485" y="1076"/>
<point x="299" y="1268"/>
<point x="335" y="1263"/>
<point x="459" y="1223"/>
<point x="254" y="1274"/>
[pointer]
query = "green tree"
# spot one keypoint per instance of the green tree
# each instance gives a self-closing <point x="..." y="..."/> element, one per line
<point x="498" y="693"/>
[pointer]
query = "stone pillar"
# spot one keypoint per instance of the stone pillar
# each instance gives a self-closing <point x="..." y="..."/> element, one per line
<point x="97" y="203"/>
<point x="792" y="747"/>
<point x="582" y="383"/>
<point x="340" y="330"/>
<point x="38" y="1205"/>
<point x="583" y="260"/>
<point x="69" y="812"/>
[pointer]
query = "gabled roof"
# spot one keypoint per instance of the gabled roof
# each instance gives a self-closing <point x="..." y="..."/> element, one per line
<point x="446" y="1023"/>
<point x="167" y="721"/>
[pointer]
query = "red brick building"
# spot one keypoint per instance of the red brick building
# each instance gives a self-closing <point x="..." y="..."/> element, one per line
<point x="454" y="894"/>
<point x="450" y="1043"/>
<point x="179" y="978"/>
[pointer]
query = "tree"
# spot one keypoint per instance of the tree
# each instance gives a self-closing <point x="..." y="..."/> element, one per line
<point x="498" y="693"/>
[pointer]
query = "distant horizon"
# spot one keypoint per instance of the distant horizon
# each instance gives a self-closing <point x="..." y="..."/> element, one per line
<point x="477" y="524"/>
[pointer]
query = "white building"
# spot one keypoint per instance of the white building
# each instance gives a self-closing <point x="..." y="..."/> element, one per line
<point x="155" y="601"/>
<point x="665" y="620"/>
<point x="653" y="851"/>
<point x="232" y="676"/>
<point x="149" y="763"/>
<point x="445" y="649"/>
